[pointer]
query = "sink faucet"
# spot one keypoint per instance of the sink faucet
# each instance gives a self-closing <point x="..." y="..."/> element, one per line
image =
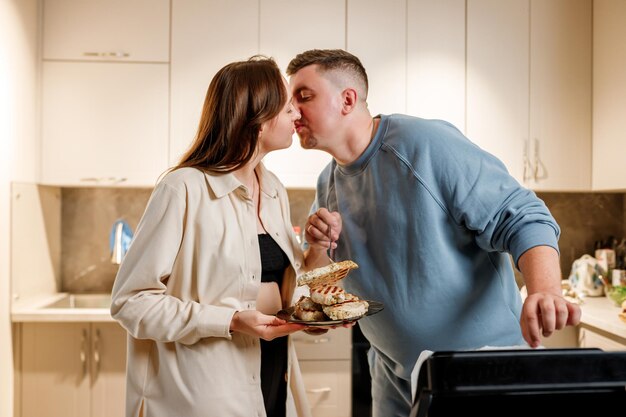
<point x="119" y="240"/>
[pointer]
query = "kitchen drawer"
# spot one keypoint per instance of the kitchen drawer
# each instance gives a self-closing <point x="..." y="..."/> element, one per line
<point x="328" y="387"/>
<point x="334" y="344"/>
<point x="591" y="339"/>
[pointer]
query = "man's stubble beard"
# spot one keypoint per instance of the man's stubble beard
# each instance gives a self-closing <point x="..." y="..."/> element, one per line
<point x="308" y="142"/>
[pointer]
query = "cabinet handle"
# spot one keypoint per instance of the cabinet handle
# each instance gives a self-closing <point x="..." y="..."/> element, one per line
<point x="319" y="390"/>
<point x="83" y="352"/>
<point x="114" y="54"/>
<point x="541" y="173"/>
<point x="528" y="166"/>
<point x="96" y="354"/>
<point x="104" y="180"/>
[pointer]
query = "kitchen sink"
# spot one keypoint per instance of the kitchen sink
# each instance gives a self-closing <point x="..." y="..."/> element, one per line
<point x="82" y="301"/>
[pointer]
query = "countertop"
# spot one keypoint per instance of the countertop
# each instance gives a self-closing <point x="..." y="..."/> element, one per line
<point x="597" y="312"/>
<point x="602" y="313"/>
<point x="32" y="309"/>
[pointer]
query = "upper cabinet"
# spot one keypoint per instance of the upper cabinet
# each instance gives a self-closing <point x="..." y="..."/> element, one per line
<point x="118" y="30"/>
<point x="377" y="35"/>
<point x="105" y="92"/>
<point x="206" y="35"/>
<point x="529" y="88"/>
<point x="436" y="60"/>
<point x="609" y="94"/>
<point x="498" y="80"/>
<point x="104" y="123"/>
<point x="560" y="94"/>
<point x="295" y="166"/>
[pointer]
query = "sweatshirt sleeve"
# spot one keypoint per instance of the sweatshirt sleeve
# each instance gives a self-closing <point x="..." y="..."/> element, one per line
<point x="139" y="300"/>
<point x="482" y="196"/>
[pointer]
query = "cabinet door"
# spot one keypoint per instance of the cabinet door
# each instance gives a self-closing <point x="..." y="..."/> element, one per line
<point x="135" y="30"/>
<point x="104" y="123"/>
<point x="206" y="35"/>
<point x="560" y="93"/>
<point x="498" y="79"/>
<point x="328" y="387"/>
<point x="376" y="34"/>
<point x="609" y="94"/>
<point x="108" y="370"/>
<point x="591" y="339"/>
<point x="55" y="370"/>
<point x="294" y="166"/>
<point x="436" y="60"/>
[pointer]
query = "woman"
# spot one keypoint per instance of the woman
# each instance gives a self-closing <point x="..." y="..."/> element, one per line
<point x="213" y="258"/>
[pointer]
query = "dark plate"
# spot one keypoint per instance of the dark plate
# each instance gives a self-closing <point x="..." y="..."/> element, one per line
<point x="287" y="315"/>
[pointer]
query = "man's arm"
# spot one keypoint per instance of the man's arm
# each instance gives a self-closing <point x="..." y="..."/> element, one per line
<point x="545" y="310"/>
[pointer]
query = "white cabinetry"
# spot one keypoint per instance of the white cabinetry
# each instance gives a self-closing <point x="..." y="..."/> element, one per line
<point x="560" y="93"/>
<point x="436" y="60"/>
<point x="325" y="362"/>
<point x="529" y="88"/>
<point x="497" y="79"/>
<point x="295" y="166"/>
<point x="609" y="94"/>
<point x="377" y="35"/>
<point x="105" y="123"/>
<point x="73" y="369"/>
<point x="206" y="35"/>
<point x="590" y="339"/>
<point x="121" y="30"/>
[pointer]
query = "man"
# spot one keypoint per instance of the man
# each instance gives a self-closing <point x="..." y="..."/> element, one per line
<point x="430" y="218"/>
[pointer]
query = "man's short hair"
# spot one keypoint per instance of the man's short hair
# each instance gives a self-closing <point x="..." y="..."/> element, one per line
<point x="328" y="60"/>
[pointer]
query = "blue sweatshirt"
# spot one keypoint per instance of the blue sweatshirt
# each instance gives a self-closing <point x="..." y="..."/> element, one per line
<point x="430" y="219"/>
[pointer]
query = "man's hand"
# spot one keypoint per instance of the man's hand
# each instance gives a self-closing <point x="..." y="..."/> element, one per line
<point x="543" y="313"/>
<point x="318" y="238"/>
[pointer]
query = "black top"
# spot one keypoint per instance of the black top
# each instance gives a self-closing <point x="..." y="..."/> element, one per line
<point x="273" y="260"/>
<point x="273" y="352"/>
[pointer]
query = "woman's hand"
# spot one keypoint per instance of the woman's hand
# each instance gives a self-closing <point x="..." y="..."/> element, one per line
<point x="257" y="324"/>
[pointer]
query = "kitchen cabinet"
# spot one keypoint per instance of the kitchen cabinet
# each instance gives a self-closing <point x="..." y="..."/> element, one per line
<point x="326" y="364"/>
<point x="497" y="80"/>
<point x="384" y="56"/>
<point x="436" y="60"/>
<point x="206" y="35"/>
<point x="295" y="166"/>
<point x="609" y="95"/>
<point x="106" y="30"/>
<point x="251" y="27"/>
<point x="560" y="94"/>
<point x="529" y="88"/>
<point x="104" y="123"/>
<point x="72" y="369"/>
<point x="588" y="338"/>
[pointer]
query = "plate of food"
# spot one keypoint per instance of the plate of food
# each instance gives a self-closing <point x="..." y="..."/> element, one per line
<point x="358" y="309"/>
<point x="328" y="304"/>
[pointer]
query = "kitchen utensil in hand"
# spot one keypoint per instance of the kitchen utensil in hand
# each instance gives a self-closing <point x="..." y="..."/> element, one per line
<point x="331" y="252"/>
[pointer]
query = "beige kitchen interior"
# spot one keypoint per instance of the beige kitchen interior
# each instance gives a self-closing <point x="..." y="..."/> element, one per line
<point x="99" y="97"/>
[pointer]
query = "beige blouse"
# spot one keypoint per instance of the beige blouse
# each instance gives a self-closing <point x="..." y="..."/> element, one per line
<point x="194" y="262"/>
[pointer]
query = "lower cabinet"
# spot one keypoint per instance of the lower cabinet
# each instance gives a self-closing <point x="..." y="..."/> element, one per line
<point x="326" y="365"/>
<point x="72" y="369"/>
<point x="590" y="339"/>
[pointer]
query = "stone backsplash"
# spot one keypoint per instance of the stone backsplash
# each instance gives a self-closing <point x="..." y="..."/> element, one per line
<point x="88" y="215"/>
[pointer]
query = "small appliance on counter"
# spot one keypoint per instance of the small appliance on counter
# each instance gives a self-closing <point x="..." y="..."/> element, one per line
<point x="526" y="382"/>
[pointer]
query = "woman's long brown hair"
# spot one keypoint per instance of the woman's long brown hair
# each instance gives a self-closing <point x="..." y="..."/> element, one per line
<point x="241" y="97"/>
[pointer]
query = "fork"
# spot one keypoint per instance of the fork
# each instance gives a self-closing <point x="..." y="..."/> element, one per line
<point x="331" y="250"/>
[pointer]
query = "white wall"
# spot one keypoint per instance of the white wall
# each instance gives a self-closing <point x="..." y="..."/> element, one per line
<point x="19" y="149"/>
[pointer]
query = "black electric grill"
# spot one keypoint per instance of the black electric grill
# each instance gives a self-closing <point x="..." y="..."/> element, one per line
<point x="572" y="382"/>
